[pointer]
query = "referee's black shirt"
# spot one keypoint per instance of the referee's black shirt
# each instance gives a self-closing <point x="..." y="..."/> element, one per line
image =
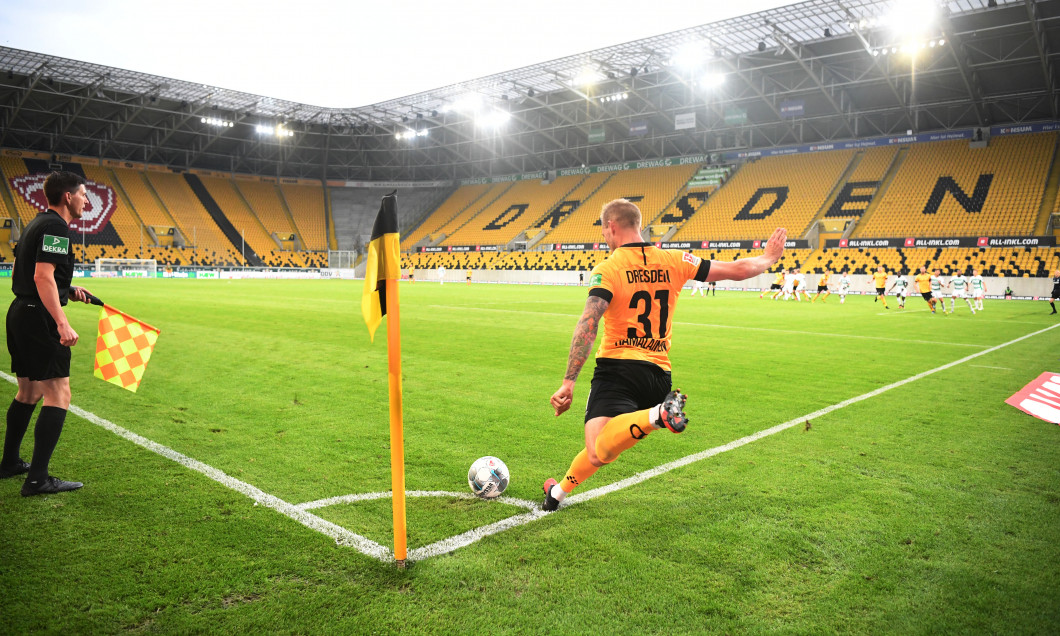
<point x="45" y="239"/>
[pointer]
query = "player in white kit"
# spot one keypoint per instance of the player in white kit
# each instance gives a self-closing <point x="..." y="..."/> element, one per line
<point x="844" y="287"/>
<point x="901" y="287"/>
<point x="960" y="290"/>
<point x="978" y="289"/>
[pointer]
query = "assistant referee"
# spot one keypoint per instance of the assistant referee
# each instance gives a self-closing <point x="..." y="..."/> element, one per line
<point x="39" y="336"/>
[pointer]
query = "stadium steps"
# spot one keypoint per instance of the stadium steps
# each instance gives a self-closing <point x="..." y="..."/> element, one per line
<point x="162" y="205"/>
<point x="732" y="173"/>
<point x="885" y="183"/>
<point x="537" y="237"/>
<point x="583" y="200"/>
<point x="669" y="204"/>
<point x="124" y="196"/>
<point x="433" y="204"/>
<point x="1052" y="184"/>
<point x="222" y="221"/>
<point x="254" y="215"/>
<point x="329" y="226"/>
<point x="429" y="236"/>
<point x="10" y="211"/>
<point x="479" y="211"/>
<point x="282" y="196"/>
<point x="836" y="189"/>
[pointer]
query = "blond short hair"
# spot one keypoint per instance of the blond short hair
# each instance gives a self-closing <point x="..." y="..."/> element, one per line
<point x="623" y="213"/>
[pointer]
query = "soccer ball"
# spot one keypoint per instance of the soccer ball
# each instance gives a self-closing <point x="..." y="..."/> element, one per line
<point x="488" y="477"/>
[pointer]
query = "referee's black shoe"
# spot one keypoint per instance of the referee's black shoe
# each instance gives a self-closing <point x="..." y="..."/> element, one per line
<point x="48" y="486"/>
<point x="18" y="468"/>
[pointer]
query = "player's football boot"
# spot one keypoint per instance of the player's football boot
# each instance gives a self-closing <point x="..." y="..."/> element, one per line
<point x="672" y="411"/>
<point x="48" y="486"/>
<point x="18" y="468"/>
<point x="550" y="503"/>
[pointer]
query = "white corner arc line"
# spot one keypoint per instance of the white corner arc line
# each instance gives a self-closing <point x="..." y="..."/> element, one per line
<point x="368" y="496"/>
<point x="452" y="543"/>
<point x="341" y="535"/>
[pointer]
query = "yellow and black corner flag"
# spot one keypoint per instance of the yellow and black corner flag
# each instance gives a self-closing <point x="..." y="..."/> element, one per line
<point x="384" y="263"/>
<point x="381" y="276"/>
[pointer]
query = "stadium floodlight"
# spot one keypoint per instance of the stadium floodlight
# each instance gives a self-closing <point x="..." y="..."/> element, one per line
<point x="912" y="19"/>
<point x="587" y="77"/>
<point x="220" y="123"/>
<point x="712" y="80"/>
<point x="690" y="56"/>
<point x="492" y="118"/>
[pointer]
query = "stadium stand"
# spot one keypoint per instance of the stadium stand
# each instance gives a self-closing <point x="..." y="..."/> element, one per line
<point x="509" y="216"/>
<point x="13" y="168"/>
<point x="305" y="205"/>
<point x="946" y="188"/>
<point x="652" y="189"/>
<point x="193" y="221"/>
<point x="785" y="191"/>
<point x="354" y="210"/>
<point x="861" y="184"/>
<point x="1015" y="262"/>
<point x="239" y="214"/>
<point x="463" y="198"/>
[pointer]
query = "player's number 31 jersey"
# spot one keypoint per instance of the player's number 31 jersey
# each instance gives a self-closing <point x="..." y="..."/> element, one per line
<point x="642" y="284"/>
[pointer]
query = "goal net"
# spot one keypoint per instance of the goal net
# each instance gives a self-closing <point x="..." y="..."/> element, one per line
<point x="126" y="267"/>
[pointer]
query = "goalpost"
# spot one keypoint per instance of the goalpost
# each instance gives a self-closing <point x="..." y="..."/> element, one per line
<point x="126" y="267"/>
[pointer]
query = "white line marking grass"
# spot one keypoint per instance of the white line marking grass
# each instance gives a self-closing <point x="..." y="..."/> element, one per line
<point x="299" y="512"/>
<point x="739" y="327"/>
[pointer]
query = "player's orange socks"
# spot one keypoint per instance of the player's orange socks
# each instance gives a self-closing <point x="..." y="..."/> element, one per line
<point x="580" y="470"/>
<point x="621" y="433"/>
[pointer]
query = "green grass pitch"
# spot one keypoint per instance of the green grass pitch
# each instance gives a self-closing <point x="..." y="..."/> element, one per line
<point x="929" y="508"/>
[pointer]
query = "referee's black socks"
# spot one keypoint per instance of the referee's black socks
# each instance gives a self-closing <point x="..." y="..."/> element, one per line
<point x="18" y="416"/>
<point x="45" y="437"/>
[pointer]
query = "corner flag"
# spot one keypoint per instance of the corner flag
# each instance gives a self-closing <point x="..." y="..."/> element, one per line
<point x="123" y="347"/>
<point x="383" y="264"/>
<point x="380" y="298"/>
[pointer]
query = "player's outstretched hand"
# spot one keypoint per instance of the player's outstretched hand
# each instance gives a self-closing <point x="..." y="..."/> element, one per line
<point x="561" y="399"/>
<point x="775" y="244"/>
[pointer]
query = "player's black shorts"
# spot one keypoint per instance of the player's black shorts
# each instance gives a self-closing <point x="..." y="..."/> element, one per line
<point x="33" y="342"/>
<point x="927" y="295"/>
<point x="1056" y="294"/>
<point x="774" y="286"/>
<point x="881" y="291"/>
<point x="625" y="386"/>
<point x="822" y="288"/>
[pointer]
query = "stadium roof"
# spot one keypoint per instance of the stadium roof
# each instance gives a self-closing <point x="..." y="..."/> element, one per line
<point x="815" y="71"/>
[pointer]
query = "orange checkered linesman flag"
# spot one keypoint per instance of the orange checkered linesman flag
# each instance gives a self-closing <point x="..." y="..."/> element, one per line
<point x="123" y="347"/>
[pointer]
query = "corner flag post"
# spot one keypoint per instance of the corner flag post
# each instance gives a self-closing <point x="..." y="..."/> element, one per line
<point x="379" y="298"/>
<point x="397" y="434"/>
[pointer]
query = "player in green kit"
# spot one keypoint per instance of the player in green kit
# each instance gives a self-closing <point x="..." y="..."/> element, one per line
<point x="978" y="289"/>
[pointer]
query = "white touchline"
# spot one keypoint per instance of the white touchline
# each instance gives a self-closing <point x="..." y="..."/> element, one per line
<point x="299" y="512"/>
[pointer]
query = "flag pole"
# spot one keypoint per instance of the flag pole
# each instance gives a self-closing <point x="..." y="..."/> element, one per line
<point x="397" y="435"/>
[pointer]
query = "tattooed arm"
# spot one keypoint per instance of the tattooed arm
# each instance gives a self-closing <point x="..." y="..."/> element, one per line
<point x="580" y="350"/>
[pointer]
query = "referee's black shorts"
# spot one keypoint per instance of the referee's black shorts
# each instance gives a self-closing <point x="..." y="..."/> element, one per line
<point x="625" y="386"/>
<point x="33" y="342"/>
<point x="1055" y="295"/>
